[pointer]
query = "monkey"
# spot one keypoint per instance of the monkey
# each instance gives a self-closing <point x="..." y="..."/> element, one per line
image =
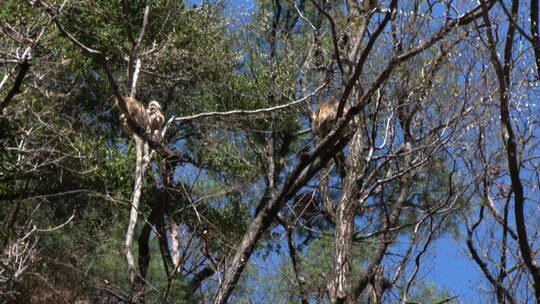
<point x="137" y="112"/>
<point x="322" y="122"/>
<point x="156" y="119"/>
<point x="323" y="118"/>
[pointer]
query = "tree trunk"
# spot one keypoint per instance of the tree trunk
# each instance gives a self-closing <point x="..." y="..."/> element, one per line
<point x="340" y="286"/>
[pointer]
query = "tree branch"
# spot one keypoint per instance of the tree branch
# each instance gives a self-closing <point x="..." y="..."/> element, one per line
<point x="134" y="63"/>
<point x="245" y="112"/>
<point x="503" y="72"/>
<point x="23" y="69"/>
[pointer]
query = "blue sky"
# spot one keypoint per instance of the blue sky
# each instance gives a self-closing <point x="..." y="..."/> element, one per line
<point x="452" y="268"/>
<point x="449" y="264"/>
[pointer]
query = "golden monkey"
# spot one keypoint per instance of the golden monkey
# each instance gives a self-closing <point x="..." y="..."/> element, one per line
<point x="156" y="118"/>
<point x="323" y="119"/>
<point x="137" y="113"/>
<point x="322" y="122"/>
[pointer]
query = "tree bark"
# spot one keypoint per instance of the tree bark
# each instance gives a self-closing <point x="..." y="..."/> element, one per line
<point x="140" y="168"/>
<point x="340" y="286"/>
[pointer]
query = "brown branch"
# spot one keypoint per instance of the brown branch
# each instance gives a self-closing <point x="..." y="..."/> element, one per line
<point x="534" y="37"/>
<point x="144" y="253"/>
<point x="391" y="222"/>
<point x="361" y="61"/>
<point x="497" y="216"/>
<point x="465" y="19"/>
<point x="483" y="265"/>
<point x="197" y="280"/>
<point x="504" y="248"/>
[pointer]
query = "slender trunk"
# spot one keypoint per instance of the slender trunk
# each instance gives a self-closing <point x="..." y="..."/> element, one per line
<point x="140" y="168"/>
<point x="376" y="286"/>
<point x="134" y="210"/>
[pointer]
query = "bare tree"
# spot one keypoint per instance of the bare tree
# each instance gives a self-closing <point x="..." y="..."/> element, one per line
<point x="500" y="185"/>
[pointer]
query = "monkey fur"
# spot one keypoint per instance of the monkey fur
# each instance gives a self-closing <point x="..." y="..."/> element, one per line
<point x="137" y="113"/>
<point x="156" y="119"/>
<point x="322" y="122"/>
<point x="323" y="119"/>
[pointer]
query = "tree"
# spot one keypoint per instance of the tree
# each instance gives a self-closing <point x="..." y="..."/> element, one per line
<point x="501" y="182"/>
<point x="237" y="175"/>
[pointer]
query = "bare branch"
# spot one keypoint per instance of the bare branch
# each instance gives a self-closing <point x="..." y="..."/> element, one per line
<point x="483" y="265"/>
<point x="247" y="112"/>
<point x="134" y="63"/>
<point x="23" y="64"/>
<point x="302" y="16"/>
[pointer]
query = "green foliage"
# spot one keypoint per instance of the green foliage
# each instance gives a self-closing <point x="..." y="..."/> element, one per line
<point x="428" y="292"/>
<point x="63" y="155"/>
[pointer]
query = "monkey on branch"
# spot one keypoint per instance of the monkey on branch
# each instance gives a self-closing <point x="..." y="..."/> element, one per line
<point x="323" y="119"/>
<point x="156" y="119"/>
<point x="148" y="121"/>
